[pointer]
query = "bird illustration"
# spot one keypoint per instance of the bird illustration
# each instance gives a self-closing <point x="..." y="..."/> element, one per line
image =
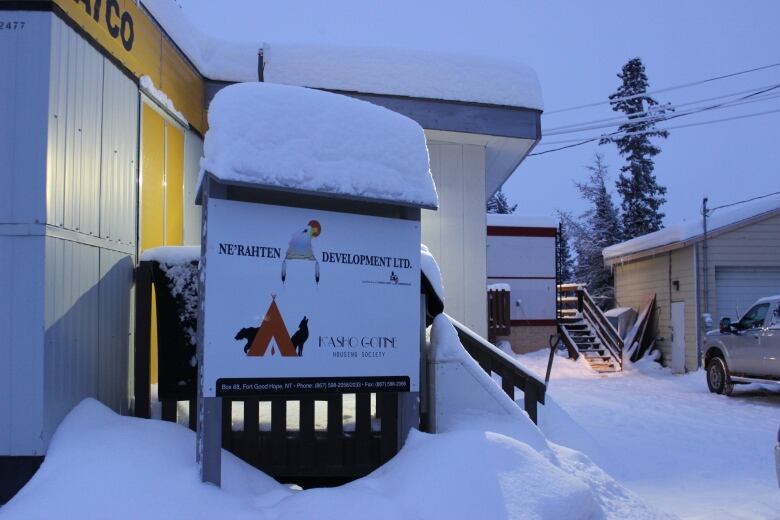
<point x="299" y="248"/>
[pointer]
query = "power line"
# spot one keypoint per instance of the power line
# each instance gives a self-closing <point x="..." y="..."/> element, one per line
<point x="701" y="123"/>
<point x="743" y="201"/>
<point x="647" y="112"/>
<point x="667" y="89"/>
<point x="664" y="117"/>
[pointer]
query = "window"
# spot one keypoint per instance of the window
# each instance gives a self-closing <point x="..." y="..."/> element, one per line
<point x="754" y="318"/>
<point x="774" y="318"/>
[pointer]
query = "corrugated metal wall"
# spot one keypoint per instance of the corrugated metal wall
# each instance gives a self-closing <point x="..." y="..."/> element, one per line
<point x="71" y="324"/>
<point x="91" y="242"/>
<point x="119" y="158"/>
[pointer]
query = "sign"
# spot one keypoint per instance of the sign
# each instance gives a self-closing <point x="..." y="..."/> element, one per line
<point x="300" y="300"/>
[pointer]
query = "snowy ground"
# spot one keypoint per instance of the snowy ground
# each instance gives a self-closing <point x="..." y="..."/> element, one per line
<point x="665" y="437"/>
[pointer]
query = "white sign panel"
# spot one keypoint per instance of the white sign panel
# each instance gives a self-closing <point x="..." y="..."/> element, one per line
<point x="301" y="300"/>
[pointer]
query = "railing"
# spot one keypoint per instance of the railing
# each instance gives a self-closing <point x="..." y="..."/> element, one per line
<point x="499" y="320"/>
<point x="577" y="300"/>
<point x="494" y="361"/>
<point x="322" y="448"/>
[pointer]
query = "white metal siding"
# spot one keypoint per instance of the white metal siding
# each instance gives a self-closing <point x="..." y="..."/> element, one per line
<point x="520" y="256"/>
<point x="115" y="325"/>
<point x="21" y="345"/>
<point x="119" y="149"/>
<point x="76" y="98"/>
<point x="456" y="232"/>
<point x="24" y="84"/>
<point x="71" y="321"/>
<point x="527" y="265"/>
<point x="739" y="287"/>
<point x="193" y="150"/>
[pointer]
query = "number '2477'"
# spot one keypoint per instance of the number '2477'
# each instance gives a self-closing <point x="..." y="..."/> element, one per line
<point x="11" y="26"/>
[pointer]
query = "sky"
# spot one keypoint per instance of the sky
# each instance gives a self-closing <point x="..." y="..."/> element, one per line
<point x="576" y="48"/>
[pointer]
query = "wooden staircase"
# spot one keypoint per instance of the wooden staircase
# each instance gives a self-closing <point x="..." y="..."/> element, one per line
<point x="586" y="331"/>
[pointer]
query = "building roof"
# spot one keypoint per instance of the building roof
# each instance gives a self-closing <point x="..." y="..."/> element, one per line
<point x="372" y="67"/>
<point x="690" y="231"/>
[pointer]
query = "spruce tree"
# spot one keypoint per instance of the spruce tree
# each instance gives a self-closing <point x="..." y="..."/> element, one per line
<point x="642" y="196"/>
<point x="564" y="249"/>
<point x="498" y="203"/>
<point x="597" y="228"/>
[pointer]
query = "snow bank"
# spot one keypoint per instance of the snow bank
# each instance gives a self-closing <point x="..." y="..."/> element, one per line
<point x="499" y="287"/>
<point x="100" y="464"/>
<point x="427" y="74"/>
<point x="694" y="228"/>
<point x="512" y="220"/>
<point x="304" y="139"/>
<point x="431" y="271"/>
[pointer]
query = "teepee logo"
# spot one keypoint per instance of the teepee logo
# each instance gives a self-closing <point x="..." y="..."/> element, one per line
<point x="299" y="248"/>
<point x="273" y="332"/>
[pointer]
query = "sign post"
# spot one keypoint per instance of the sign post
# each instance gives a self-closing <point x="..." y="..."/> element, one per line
<point x="305" y="294"/>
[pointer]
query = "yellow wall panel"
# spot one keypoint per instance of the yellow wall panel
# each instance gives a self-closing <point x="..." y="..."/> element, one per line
<point x="152" y="179"/>
<point x="152" y="228"/>
<point x="174" y="185"/>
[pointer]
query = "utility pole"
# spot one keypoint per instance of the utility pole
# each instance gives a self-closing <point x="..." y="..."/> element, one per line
<point x="705" y="263"/>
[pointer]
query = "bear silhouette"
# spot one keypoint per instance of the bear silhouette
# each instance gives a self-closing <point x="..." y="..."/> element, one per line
<point x="248" y="334"/>
<point x="301" y="335"/>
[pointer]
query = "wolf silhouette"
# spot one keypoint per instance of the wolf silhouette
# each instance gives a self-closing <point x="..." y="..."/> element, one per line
<point x="301" y="335"/>
<point x="248" y="334"/>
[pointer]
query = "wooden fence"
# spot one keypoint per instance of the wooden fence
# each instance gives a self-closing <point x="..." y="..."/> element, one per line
<point x="499" y="320"/>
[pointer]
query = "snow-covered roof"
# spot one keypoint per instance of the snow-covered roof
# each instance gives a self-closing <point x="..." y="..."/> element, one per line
<point x="309" y="140"/>
<point x="370" y="68"/>
<point x="693" y="229"/>
<point x="512" y="220"/>
<point x="432" y="75"/>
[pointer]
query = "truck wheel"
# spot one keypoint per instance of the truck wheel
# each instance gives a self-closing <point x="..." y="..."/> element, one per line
<point x="718" y="379"/>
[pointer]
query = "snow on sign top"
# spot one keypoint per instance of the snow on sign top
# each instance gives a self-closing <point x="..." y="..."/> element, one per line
<point x="302" y="139"/>
<point x="694" y="229"/>
<point x="431" y="75"/>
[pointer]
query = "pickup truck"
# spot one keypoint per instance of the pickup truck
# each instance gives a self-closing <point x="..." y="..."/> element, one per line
<point x="747" y="351"/>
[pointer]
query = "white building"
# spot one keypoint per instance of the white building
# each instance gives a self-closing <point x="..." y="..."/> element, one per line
<point x="521" y="254"/>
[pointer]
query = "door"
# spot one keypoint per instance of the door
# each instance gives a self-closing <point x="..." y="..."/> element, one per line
<point x="745" y="351"/>
<point x="738" y="288"/>
<point x="678" y="337"/>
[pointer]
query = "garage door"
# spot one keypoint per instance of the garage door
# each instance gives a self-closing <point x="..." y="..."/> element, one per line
<point x="737" y="288"/>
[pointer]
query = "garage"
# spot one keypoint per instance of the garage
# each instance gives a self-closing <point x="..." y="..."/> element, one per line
<point x="694" y="279"/>
<point x="737" y="288"/>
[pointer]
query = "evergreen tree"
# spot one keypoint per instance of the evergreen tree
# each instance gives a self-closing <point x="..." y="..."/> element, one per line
<point x="498" y="203"/>
<point x="597" y="228"/>
<point x="564" y="249"/>
<point x="642" y="197"/>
